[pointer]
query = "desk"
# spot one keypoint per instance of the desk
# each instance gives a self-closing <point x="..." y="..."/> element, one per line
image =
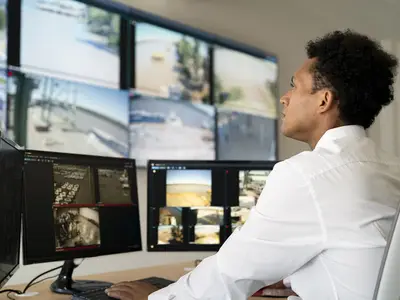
<point x="172" y="272"/>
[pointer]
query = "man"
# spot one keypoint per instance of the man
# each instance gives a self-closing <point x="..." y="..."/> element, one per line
<point x="323" y="217"/>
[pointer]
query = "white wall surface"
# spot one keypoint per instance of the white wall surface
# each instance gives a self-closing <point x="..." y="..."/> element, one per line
<point x="278" y="26"/>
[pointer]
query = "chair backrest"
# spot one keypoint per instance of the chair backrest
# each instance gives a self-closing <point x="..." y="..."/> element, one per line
<point x="388" y="283"/>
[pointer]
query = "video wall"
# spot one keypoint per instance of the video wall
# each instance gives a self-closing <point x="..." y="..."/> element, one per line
<point x="81" y="79"/>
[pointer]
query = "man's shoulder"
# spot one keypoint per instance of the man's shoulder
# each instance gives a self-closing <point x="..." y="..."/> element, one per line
<point x="308" y="164"/>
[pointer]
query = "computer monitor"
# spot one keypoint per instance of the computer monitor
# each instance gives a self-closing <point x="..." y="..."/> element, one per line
<point x="245" y="93"/>
<point x="195" y="205"/>
<point x="11" y="166"/>
<point x="78" y="206"/>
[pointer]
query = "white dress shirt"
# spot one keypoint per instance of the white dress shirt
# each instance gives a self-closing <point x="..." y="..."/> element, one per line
<point x="321" y="221"/>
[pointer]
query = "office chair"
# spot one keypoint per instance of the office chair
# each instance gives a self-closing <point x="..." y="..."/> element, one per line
<point x="388" y="283"/>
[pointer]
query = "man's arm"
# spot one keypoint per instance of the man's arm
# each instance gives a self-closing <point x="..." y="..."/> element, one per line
<point x="282" y="234"/>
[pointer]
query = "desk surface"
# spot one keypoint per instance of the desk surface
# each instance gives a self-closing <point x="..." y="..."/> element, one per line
<point x="172" y="272"/>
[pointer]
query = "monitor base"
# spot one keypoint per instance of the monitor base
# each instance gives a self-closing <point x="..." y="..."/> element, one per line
<point x="65" y="285"/>
<point x="78" y="286"/>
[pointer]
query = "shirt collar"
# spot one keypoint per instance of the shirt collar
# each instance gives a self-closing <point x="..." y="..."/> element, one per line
<point x="353" y="131"/>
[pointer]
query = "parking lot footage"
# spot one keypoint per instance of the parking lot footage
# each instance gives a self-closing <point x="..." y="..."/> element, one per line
<point x="114" y="187"/>
<point x="206" y="234"/>
<point x="155" y="122"/>
<point x="245" y="83"/>
<point x="76" y="227"/>
<point x="186" y="188"/>
<point x="73" y="184"/>
<point x="251" y="184"/>
<point x="171" y="65"/>
<point x="170" y="230"/>
<point x="77" y="41"/>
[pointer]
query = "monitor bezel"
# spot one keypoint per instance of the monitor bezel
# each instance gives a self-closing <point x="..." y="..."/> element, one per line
<point x="69" y="255"/>
<point x="269" y="165"/>
<point x="7" y="277"/>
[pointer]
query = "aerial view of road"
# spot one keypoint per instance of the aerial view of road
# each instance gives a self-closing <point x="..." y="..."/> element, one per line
<point x="167" y="129"/>
<point x="245" y="137"/>
<point x="56" y="37"/>
<point x="245" y="83"/>
<point x="165" y="64"/>
<point x="77" y="118"/>
<point x="114" y="186"/>
<point x="188" y="188"/>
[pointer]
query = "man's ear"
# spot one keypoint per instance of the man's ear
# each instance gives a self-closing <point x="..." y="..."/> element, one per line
<point x="327" y="100"/>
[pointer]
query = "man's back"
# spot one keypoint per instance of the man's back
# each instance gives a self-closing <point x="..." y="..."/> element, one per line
<point x="356" y="189"/>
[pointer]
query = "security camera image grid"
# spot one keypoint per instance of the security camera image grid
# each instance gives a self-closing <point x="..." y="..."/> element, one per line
<point x="171" y="65"/>
<point x="73" y="184"/>
<point x="206" y="234"/>
<point x="114" y="187"/>
<point x="245" y="83"/>
<point x="208" y="215"/>
<point x="188" y="188"/>
<point x="78" y="41"/>
<point x="73" y="117"/>
<point x="76" y="227"/>
<point x="165" y="129"/>
<point x="243" y="136"/>
<point x="251" y="184"/>
<point x="170" y="229"/>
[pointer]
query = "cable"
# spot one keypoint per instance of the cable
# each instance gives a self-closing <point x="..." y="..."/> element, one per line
<point x="10" y="291"/>
<point x="41" y="280"/>
<point x="40" y="275"/>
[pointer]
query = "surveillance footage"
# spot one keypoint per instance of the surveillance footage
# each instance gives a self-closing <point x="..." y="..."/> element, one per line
<point x="63" y="116"/>
<point x="170" y="230"/>
<point x="75" y="40"/>
<point x="187" y="188"/>
<point x="171" y="65"/>
<point x="3" y="98"/>
<point x="3" y="32"/>
<point x="166" y="129"/>
<point x="73" y="184"/>
<point x="76" y="227"/>
<point x="245" y="83"/>
<point x="206" y="234"/>
<point x="114" y="187"/>
<point x="244" y="136"/>
<point x="208" y="215"/>
<point x="251" y="184"/>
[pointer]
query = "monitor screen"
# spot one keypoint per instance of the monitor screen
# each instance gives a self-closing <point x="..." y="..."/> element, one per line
<point x="195" y="205"/>
<point x="245" y="92"/>
<point x="166" y="129"/>
<point x="11" y="165"/>
<point x="3" y="99"/>
<point x="86" y="206"/>
<point x="3" y="33"/>
<point x="70" y="39"/>
<point x="171" y="65"/>
<point x="52" y="114"/>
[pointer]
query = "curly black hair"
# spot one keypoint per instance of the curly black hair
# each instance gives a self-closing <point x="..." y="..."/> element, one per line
<point x="358" y="72"/>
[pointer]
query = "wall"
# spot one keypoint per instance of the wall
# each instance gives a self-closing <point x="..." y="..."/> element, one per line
<point x="281" y="27"/>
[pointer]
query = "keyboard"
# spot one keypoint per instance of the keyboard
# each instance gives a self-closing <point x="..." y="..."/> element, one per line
<point x="99" y="294"/>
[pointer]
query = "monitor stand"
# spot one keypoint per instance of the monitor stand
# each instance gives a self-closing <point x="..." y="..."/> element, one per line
<point x="65" y="285"/>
